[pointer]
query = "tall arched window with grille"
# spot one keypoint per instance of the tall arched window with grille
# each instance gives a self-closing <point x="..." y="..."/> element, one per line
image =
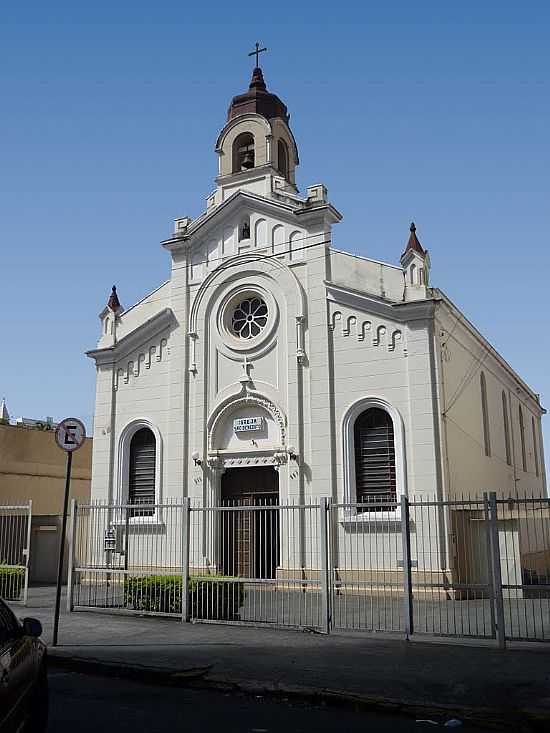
<point x="375" y="474"/>
<point x="506" y="429"/>
<point x="485" y="415"/>
<point x="535" y="447"/>
<point x="142" y="469"/>
<point x="522" y="438"/>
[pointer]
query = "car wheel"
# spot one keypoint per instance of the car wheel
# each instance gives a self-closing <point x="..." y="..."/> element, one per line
<point x="38" y="721"/>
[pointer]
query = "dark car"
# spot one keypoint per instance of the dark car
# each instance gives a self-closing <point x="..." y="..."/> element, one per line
<point x="23" y="679"/>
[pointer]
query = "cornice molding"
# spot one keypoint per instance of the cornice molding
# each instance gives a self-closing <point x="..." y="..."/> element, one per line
<point x="402" y="312"/>
<point x="136" y="338"/>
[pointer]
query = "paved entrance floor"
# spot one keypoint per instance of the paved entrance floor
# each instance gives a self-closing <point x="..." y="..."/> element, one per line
<point x="511" y="688"/>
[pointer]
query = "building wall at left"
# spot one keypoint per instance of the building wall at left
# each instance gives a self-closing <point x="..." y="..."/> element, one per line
<point x="33" y="467"/>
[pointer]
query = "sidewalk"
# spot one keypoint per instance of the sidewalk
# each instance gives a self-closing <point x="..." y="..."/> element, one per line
<point x="510" y="688"/>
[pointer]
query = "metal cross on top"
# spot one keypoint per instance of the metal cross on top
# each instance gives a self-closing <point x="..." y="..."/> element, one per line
<point x="257" y="53"/>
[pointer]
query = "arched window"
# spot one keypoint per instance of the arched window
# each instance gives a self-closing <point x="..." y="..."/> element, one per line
<point x="506" y="429"/>
<point x="282" y="158"/>
<point x="142" y="470"/>
<point x="485" y="415"/>
<point x="413" y="274"/>
<point x="375" y="474"/>
<point x="243" y="152"/>
<point x="535" y="448"/>
<point x="522" y="438"/>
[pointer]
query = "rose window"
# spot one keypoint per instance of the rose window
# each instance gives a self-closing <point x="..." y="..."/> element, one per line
<point x="249" y="318"/>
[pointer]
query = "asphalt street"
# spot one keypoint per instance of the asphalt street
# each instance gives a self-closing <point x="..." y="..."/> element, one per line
<point x="88" y="704"/>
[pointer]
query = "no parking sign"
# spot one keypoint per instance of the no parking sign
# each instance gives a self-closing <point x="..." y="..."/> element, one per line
<point x="69" y="436"/>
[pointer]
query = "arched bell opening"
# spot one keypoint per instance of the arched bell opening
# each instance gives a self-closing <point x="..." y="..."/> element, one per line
<point x="282" y="158"/>
<point x="244" y="156"/>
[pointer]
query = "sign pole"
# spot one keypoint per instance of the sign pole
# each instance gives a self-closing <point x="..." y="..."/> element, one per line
<point x="69" y="436"/>
<point x="62" y="548"/>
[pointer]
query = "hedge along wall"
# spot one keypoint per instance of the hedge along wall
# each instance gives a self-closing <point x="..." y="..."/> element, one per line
<point x="209" y="597"/>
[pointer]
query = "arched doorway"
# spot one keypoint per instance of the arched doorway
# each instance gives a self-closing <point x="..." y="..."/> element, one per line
<point x="250" y="526"/>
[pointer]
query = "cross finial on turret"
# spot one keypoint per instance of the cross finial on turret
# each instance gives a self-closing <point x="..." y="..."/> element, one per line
<point x="413" y="226"/>
<point x="257" y="53"/>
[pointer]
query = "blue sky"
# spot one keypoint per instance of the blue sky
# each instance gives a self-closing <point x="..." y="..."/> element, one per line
<point x="432" y="111"/>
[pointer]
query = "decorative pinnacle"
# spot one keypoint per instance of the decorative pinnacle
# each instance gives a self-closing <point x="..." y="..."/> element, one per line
<point x="113" y="303"/>
<point x="413" y="242"/>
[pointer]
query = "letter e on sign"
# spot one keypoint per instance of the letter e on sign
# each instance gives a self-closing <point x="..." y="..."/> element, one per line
<point x="70" y="434"/>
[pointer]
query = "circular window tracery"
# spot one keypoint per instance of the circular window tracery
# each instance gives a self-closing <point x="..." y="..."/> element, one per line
<point x="249" y="318"/>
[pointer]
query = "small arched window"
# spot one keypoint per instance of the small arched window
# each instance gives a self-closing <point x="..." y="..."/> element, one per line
<point x="243" y="152"/>
<point x="506" y="429"/>
<point x="485" y="415"/>
<point x="142" y="469"/>
<point x="282" y="158"/>
<point x="375" y="474"/>
<point x="413" y="274"/>
<point x="522" y="438"/>
<point x="535" y="447"/>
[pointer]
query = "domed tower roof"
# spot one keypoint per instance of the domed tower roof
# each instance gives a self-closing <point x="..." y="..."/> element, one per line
<point x="258" y="99"/>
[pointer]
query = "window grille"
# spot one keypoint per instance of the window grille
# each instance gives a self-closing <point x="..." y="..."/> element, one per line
<point x="522" y="437"/>
<point x="375" y="460"/>
<point x="506" y="429"/>
<point x="535" y="449"/>
<point x="485" y="415"/>
<point x="141" y="486"/>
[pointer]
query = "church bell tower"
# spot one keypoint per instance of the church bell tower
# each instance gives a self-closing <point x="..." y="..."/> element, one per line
<point x="256" y="148"/>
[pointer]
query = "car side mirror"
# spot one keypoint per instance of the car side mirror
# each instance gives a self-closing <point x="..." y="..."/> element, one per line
<point x="32" y="627"/>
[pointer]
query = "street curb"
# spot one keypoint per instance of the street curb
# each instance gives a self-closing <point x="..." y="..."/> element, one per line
<point x="518" y="721"/>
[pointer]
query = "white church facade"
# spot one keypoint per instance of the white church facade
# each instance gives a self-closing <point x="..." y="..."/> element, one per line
<point x="273" y="367"/>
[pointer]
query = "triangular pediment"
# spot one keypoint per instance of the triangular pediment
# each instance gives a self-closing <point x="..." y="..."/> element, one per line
<point x="238" y="204"/>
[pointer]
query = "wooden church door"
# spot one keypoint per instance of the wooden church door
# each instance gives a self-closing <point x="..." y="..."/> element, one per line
<point x="250" y="538"/>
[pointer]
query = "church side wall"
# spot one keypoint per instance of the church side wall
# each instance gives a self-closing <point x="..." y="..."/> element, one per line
<point x="463" y="359"/>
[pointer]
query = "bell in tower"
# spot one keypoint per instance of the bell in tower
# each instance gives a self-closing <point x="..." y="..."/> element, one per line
<point x="245" y="153"/>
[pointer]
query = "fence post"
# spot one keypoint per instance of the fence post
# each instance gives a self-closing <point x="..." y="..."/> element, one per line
<point x="407" y="574"/>
<point x="185" y="542"/>
<point x="496" y="570"/>
<point x="489" y="564"/>
<point x="72" y="547"/>
<point x="27" y="555"/>
<point x="324" y="508"/>
<point x="126" y="540"/>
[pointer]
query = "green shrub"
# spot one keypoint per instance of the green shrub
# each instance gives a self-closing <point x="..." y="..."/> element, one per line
<point x="209" y="597"/>
<point x="11" y="583"/>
